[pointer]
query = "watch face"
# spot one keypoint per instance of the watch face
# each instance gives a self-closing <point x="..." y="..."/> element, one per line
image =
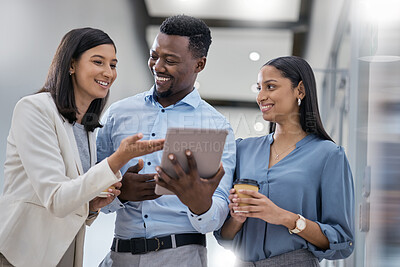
<point x="301" y="224"/>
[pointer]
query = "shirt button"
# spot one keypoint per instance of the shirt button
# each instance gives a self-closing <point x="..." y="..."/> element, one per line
<point x="149" y="163"/>
<point x="153" y="134"/>
<point x="192" y="215"/>
<point x="163" y="110"/>
<point x="146" y="216"/>
<point x="199" y="219"/>
<point x="121" y="205"/>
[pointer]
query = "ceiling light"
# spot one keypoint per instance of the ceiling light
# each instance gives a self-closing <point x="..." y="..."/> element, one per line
<point x="254" y="56"/>
<point x="380" y="59"/>
<point x="382" y="11"/>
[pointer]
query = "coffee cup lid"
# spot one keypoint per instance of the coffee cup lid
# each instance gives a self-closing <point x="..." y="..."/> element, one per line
<point x="247" y="181"/>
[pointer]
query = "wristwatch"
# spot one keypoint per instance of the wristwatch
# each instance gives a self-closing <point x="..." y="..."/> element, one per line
<point x="300" y="225"/>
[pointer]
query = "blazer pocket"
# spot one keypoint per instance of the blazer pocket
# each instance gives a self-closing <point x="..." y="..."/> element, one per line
<point x="35" y="204"/>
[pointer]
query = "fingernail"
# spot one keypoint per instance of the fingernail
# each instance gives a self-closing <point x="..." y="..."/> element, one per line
<point x="158" y="169"/>
<point x="171" y="157"/>
<point x="188" y="152"/>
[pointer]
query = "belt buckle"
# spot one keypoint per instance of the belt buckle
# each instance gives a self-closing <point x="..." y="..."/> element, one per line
<point x="158" y="244"/>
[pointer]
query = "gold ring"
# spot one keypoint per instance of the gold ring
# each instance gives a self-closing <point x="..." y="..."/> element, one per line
<point x="150" y="146"/>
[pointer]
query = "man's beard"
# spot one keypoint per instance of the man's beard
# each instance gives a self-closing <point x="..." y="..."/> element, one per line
<point x="163" y="94"/>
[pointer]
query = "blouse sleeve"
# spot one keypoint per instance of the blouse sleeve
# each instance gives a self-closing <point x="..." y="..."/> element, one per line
<point x="217" y="234"/>
<point x="337" y="205"/>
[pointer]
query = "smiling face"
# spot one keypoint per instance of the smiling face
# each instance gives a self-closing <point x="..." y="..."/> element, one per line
<point x="93" y="73"/>
<point x="174" y="68"/>
<point x="277" y="98"/>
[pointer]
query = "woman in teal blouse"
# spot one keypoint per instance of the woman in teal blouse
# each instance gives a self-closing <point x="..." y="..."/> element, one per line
<point x="304" y="210"/>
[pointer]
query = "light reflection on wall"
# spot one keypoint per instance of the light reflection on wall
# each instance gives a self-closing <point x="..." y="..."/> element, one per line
<point x="383" y="244"/>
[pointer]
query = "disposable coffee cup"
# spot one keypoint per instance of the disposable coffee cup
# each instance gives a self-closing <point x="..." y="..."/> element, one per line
<point x="247" y="184"/>
<point x="105" y="193"/>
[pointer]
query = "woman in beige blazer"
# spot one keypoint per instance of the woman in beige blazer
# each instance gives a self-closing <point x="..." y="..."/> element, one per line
<point x="50" y="189"/>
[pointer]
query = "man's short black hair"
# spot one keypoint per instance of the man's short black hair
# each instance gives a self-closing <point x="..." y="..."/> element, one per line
<point x="198" y="32"/>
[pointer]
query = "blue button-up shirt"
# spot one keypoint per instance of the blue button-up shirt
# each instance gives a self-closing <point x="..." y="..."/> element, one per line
<point x="165" y="215"/>
<point x="314" y="180"/>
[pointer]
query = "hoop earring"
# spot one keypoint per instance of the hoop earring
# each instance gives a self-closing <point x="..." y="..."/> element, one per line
<point x="299" y="102"/>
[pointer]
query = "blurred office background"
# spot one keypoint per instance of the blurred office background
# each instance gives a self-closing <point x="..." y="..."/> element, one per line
<point x="352" y="45"/>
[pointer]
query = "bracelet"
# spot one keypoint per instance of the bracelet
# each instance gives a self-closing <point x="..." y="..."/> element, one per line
<point x="94" y="212"/>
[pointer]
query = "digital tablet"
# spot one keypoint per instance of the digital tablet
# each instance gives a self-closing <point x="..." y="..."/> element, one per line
<point x="206" y="145"/>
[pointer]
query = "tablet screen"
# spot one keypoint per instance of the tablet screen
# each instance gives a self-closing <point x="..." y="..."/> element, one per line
<point x="206" y="145"/>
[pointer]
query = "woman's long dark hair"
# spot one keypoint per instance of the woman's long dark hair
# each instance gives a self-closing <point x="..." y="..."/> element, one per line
<point x="297" y="69"/>
<point x="59" y="82"/>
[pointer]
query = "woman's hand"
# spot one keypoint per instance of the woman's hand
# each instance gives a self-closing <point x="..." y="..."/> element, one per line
<point x="237" y="216"/>
<point x="260" y="207"/>
<point x="99" y="202"/>
<point x="263" y="208"/>
<point x="132" y="147"/>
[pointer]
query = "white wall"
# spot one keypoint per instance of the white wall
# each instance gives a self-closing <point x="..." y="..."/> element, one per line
<point x="324" y="20"/>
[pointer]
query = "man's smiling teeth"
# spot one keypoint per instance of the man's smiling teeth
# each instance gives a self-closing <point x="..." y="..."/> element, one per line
<point x="102" y="83"/>
<point x="162" y="79"/>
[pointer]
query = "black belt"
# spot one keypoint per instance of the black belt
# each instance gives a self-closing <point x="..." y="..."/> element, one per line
<point x="143" y="245"/>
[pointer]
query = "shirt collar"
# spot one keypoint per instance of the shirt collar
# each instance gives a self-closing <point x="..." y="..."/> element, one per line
<point x="192" y="99"/>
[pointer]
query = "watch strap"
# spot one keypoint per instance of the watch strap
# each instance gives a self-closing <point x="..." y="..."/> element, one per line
<point x="297" y="230"/>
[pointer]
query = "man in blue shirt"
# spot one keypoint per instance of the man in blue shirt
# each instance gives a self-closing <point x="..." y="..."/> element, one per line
<point x="169" y="230"/>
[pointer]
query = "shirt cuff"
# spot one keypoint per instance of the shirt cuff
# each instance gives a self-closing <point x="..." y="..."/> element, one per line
<point x="203" y="221"/>
<point x="118" y="174"/>
<point x="113" y="206"/>
<point x="340" y="245"/>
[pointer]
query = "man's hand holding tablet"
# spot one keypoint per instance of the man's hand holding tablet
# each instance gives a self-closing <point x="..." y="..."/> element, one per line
<point x="191" y="166"/>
